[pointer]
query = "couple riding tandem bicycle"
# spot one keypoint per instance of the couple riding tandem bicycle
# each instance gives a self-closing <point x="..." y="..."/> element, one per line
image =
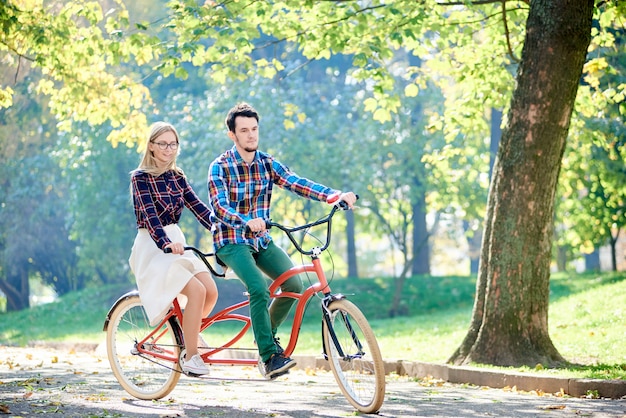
<point x="150" y="342"/>
<point x="146" y="359"/>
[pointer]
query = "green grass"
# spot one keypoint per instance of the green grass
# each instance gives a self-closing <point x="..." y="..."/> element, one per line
<point x="587" y="319"/>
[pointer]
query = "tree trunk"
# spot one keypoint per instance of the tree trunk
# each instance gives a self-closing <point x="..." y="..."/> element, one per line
<point x="352" y="262"/>
<point x="510" y="319"/>
<point x="421" y="249"/>
<point x="592" y="261"/>
<point x="17" y="291"/>
<point x="561" y="258"/>
<point x="614" y="251"/>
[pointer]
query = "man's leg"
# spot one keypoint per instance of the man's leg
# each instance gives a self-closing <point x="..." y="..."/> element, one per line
<point x="240" y="258"/>
<point x="274" y="261"/>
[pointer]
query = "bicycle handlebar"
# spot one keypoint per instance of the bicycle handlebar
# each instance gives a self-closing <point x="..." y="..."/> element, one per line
<point x="203" y="257"/>
<point x="341" y="205"/>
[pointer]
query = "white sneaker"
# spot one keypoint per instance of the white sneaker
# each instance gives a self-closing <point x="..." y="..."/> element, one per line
<point x="194" y="366"/>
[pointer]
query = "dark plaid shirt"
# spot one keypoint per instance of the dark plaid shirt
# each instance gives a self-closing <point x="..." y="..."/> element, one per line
<point x="239" y="192"/>
<point x="159" y="201"/>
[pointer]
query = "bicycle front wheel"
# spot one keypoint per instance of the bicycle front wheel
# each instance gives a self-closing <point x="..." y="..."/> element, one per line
<point x="354" y="356"/>
<point x="141" y="374"/>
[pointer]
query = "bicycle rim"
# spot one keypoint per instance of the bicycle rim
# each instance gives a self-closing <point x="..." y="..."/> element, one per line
<point x="360" y="372"/>
<point x="141" y="375"/>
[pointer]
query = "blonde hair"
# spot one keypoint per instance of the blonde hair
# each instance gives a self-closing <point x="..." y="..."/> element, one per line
<point x="148" y="163"/>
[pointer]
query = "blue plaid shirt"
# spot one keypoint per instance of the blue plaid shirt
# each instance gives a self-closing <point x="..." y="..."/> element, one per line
<point x="239" y="192"/>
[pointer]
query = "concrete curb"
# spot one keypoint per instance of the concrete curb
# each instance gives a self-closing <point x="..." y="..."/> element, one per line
<point x="613" y="389"/>
<point x="598" y="388"/>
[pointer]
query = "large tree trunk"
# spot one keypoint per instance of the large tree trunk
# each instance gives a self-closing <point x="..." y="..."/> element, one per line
<point x="510" y="320"/>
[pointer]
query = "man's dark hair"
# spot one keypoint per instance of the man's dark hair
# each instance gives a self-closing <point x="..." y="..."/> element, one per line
<point x="240" y="109"/>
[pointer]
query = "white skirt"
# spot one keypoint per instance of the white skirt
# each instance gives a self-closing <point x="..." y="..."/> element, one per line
<point x="160" y="277"/>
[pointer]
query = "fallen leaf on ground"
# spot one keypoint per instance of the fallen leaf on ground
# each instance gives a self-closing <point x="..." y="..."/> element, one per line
<point x="548" y="407"/>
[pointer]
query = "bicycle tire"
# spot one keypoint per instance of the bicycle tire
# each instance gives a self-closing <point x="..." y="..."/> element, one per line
<point x="361" y="372"/>
<point x="144" y="377"/>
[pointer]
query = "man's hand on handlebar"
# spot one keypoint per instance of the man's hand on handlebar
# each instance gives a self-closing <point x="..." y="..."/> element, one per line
<point x="256" y="225"/>
<point x="348" y="197"/>
<point x="343" y="200"/>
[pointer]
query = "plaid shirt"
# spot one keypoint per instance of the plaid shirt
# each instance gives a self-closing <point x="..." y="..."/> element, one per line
<point x="159" y="201"/>
<point x="239" y="192"/>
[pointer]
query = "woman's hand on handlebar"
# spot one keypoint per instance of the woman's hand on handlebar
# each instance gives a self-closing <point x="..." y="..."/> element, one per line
<point x="174" y="248"/>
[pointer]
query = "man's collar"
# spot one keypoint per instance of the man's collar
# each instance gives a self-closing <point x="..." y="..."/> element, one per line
<point x="240" y="159"/>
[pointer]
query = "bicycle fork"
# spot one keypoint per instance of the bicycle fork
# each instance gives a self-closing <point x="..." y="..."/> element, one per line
<point x="328" y="299"/>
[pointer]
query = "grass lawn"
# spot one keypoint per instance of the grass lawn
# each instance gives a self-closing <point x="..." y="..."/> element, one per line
<point x="587" y="319"/>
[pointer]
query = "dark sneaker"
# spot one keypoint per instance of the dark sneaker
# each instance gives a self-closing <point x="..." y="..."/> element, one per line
<point x="278" y="365"/>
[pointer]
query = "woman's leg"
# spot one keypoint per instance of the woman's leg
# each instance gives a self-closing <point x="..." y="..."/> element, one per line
<point x="195" y="292"/>
<point x="210" y="292"/>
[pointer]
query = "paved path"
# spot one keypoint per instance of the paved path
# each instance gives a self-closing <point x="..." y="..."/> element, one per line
<point x="68" y="383"/>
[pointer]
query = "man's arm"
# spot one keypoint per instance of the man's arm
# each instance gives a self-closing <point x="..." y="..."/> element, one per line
<point x="302" y="186"/>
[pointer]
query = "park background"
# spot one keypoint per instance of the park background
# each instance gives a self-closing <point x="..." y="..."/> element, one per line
<point x="420" y="156"/>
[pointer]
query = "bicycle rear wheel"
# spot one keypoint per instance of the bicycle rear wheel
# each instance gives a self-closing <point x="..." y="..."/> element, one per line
<point x="142" y="375"/>
<point x="355" y="359"/>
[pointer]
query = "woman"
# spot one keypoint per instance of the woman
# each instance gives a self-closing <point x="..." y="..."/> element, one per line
<point x="160" y="192"/>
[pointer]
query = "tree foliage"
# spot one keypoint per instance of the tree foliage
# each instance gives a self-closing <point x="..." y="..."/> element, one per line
<point x="78" y="51"/>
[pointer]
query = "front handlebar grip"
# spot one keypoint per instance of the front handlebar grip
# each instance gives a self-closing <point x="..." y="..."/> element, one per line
<point x="167" y="250"/>
<point x="343" y="205"/>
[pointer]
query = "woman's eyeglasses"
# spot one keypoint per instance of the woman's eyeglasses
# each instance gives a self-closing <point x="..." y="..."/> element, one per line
<point x="164" y="145"/>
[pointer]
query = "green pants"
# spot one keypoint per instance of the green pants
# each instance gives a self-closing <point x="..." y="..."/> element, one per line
<point x="249" y="265"/>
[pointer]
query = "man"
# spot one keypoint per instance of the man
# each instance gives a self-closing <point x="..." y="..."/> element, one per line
<point x="240" y="189"/>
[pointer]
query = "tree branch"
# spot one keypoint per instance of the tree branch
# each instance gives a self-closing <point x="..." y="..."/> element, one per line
<point x="507" y="34"/>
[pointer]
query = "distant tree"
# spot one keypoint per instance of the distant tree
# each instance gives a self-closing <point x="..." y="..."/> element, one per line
<point x="103" y="222"/>
<point x="34" y="204"/>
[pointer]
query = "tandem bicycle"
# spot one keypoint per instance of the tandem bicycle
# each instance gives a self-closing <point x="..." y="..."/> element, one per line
<point x="146" y="359"/>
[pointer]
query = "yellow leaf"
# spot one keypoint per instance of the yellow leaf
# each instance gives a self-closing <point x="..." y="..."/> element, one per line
<point x="411" y="90"/>
<point x="370" y="104"/>
<point x="289" y="124"/>
<point x="382" y="115"/>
